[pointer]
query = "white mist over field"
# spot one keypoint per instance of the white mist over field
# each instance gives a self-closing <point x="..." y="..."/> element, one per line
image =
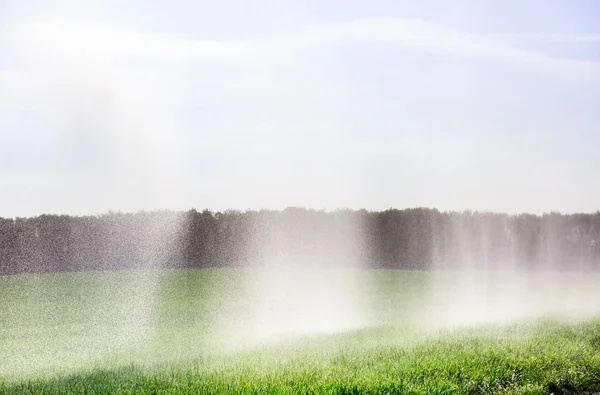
<point x="290" y="292"/>
<point x="475" y="297"/>
<point x="299" y="301"/>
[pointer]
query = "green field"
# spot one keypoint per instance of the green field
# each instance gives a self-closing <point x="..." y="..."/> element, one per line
<point x="163" y="332"/>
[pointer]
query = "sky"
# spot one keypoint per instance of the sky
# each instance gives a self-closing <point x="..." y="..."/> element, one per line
<point x="231" y="104"/>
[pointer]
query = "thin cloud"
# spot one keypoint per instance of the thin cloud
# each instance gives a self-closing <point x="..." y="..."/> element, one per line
<point x="112" y="42"/>
<point x="559" y="38"/>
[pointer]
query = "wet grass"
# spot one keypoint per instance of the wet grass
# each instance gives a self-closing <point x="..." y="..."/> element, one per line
<point x="96" y="333"/>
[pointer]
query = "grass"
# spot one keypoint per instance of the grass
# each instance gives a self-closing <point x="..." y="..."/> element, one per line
<point x="96" y="333"/>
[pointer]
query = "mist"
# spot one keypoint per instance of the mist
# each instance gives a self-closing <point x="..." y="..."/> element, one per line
<point x="472" y="298"/>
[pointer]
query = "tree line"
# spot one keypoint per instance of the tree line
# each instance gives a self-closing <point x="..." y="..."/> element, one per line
<point x="418" y="238"/>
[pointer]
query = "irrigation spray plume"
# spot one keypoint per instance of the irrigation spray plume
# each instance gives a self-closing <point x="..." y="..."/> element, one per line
<point x="113" y="120"/>
<point x="477" y="286"/>
<point x="299" y="283"/>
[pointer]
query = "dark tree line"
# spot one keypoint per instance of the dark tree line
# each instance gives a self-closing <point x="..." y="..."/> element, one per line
<point x="400" y="239"/>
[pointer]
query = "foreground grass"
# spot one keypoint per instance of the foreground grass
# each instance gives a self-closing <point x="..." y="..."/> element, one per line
<point x="548" y="357"/>
<point x="56" y="339"/>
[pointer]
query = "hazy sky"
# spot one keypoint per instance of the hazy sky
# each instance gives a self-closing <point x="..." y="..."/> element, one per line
<point x="129" y="105"/>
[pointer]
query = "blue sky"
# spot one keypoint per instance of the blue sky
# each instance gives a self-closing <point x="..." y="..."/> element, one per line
<point x="128" y="105"/>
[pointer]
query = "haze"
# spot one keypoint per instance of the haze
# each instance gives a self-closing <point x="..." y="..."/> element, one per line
<point x="108" y="105"/>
